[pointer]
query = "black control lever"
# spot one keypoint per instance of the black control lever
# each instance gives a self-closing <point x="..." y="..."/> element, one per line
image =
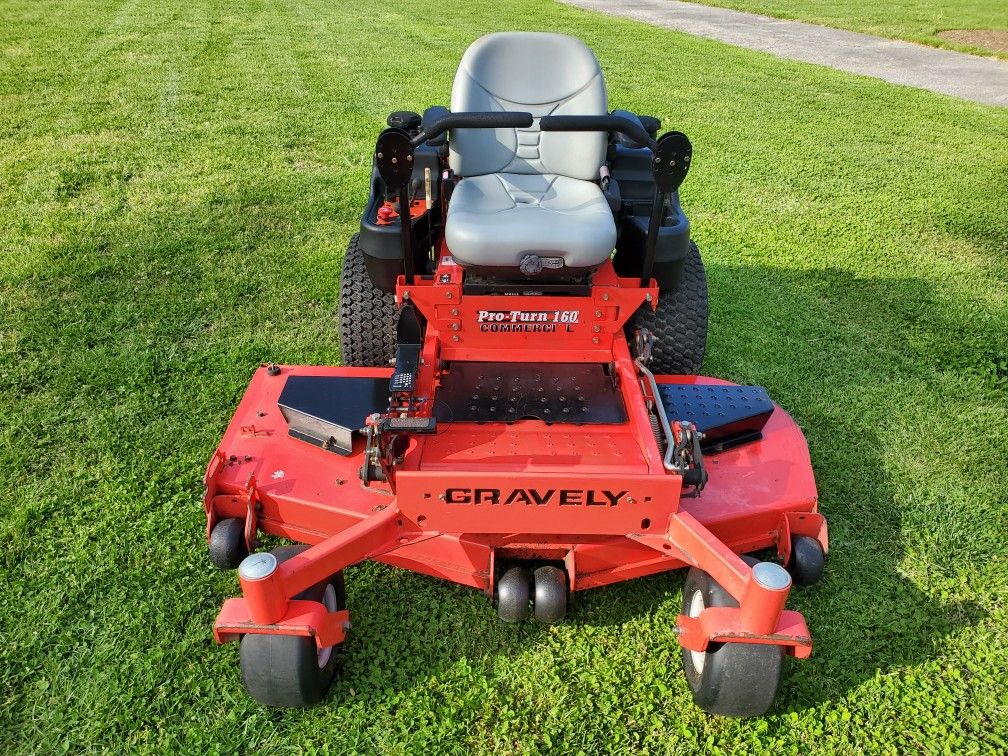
<point x="669" y="166"/>
<point x="394" y="159"/>
<point x="619" y="124"/>
<point x="473" y="120"/>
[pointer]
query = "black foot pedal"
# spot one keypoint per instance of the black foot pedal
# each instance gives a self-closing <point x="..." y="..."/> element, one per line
<point x="407" y="359"/>
<point x="410" y="425"/>
<point x="404" y="378"/>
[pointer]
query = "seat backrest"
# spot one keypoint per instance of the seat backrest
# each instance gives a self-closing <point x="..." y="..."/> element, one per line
<point x="544" y="74"/>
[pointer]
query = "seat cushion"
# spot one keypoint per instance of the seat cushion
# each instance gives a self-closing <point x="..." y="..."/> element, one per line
<point x="498" y="220"/>
<point x="536" y="72"/>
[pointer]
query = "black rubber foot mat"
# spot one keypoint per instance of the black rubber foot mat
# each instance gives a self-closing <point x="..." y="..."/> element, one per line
<point x="578" y="393"/>
<point x="726" y="415"/>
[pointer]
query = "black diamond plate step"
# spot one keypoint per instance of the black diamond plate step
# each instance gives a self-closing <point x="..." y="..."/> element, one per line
<point x="577" y="393"/>
<point x="726" y="415"/>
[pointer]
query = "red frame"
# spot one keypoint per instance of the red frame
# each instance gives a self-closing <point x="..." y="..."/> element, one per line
<point x="758" y="495"/>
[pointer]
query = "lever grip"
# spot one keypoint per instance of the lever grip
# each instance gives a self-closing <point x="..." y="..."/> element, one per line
<point x="474" y="120"/>
<point x="598" y="123"/>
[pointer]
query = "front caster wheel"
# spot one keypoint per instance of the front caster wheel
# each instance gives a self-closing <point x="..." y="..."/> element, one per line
<point x="291" y="670"/>
<point x="513" y="595"/>
<point x="807" y="560"/>
<point x="730" y="679"/>
<point x="550" y="594"/>
<point x="227" y="543"/>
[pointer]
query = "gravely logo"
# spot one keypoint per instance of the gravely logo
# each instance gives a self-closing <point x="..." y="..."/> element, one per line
<point x="564" y="497"/>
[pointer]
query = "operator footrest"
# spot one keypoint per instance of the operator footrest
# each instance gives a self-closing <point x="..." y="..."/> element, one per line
<point x="578" y="393"/>
<point x="727" y="415"/>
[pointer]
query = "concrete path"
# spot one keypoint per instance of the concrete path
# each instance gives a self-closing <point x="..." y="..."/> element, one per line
<point x="958" y="74"/>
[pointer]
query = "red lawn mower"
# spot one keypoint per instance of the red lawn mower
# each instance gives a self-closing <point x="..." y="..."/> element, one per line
<point x="522" y="317"/>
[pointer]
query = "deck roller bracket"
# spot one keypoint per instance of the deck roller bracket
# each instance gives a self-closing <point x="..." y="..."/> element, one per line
<point x="723" y="624"/>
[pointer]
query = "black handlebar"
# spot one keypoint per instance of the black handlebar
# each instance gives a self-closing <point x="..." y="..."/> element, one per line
<point x="598" y="123"/>
<point x="475" y="120"/>
<point x="520" y="120"/>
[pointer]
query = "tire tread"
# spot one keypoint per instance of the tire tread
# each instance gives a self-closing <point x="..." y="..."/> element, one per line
<point x="680" y="321"/>
<point x="367" y="315"/>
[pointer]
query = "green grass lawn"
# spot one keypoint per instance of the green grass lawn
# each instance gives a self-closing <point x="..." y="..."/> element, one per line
<point x="177" y="184"/>
<point x="913" y="20"/>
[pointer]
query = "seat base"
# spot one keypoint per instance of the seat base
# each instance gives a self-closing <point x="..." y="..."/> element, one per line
<point x="493" y="276"/>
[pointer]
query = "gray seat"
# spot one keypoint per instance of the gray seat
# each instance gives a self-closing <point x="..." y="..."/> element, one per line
<point x="527" y="204"/>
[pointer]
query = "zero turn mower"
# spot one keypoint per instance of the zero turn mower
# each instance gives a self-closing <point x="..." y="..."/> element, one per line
<point x="522" y="316"/>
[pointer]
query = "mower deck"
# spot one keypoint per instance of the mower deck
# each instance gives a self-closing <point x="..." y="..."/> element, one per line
<point x="758" y="496"/>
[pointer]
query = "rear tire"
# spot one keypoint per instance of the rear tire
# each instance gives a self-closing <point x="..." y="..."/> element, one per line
<point x="680" y="321"/>
<point x="367" y="315"/>
<point x="287" y="671"/>
<point x="730" y="679"/>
